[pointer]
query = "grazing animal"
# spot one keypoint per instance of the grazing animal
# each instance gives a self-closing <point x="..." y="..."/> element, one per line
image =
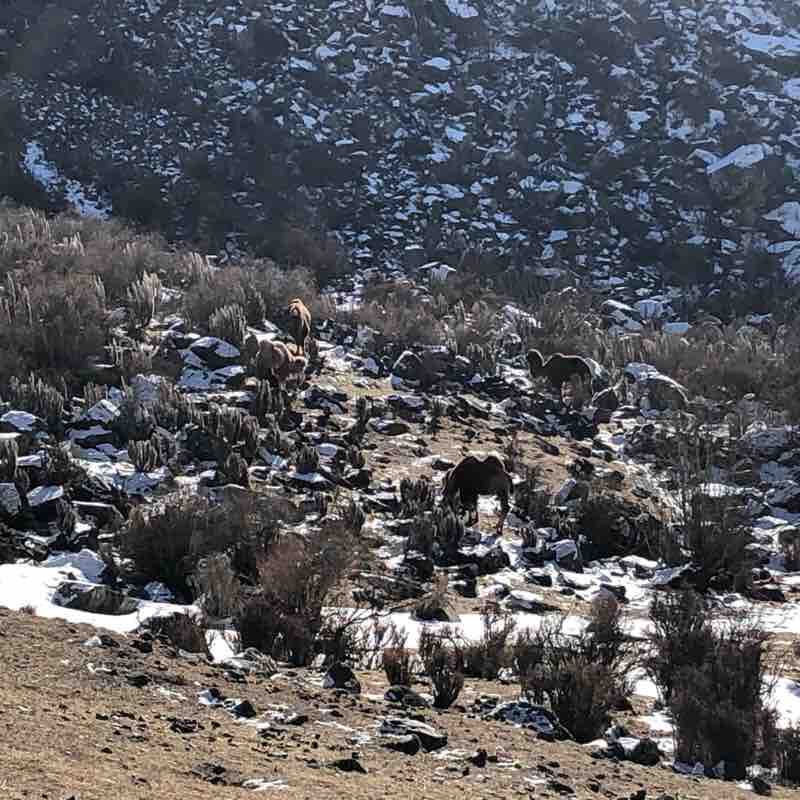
<point x="274" y="359"/>
<point x="558" y="369"/>
<point x="299" y="324"/>
<point x="472" y="477"/>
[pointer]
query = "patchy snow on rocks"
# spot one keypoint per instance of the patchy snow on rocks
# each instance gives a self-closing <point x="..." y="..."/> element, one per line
<point x="47" y="175"/>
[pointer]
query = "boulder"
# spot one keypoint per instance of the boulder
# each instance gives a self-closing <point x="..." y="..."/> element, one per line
<point x="10" y="500"/>
<point x="519" y="599"/>
<point x="737" y="173"/>
<point x="215" y="353"/>
<point x="389" y="426"/>
<point x="641" y="751"/>
<point x="103" y="413"/>
<point x="95" y="599"/>
<point x="340" y="676"/>
<point x="21" y="422"/>
<point x="409" y="744"/>
<point x="766" y="443"/>
<point x="405" y="696"/>
<point x="409" y="367"/>
<point x="785" y="494"/>
<point x="430" y="738"/>
<point x="47" y="502"/>
<point x="528" y="715"/>
<point x="490" y="559"/>
<point x="92" y="437"/>
<point x="662" y="392"/>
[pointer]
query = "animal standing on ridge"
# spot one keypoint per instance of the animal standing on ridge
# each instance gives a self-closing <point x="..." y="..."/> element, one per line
<point x="472" y="477"/>
<point x="299" y="324"/>
<point x="274" y="358"/>
<point x="559" y="369"/>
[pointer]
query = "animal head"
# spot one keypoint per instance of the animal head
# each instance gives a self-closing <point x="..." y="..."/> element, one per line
<point x="296" y="307"/>
<point x="251" y="347"/>
<point x="535" y="361"/>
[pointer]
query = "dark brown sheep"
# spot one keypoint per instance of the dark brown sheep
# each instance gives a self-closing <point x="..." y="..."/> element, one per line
<point x="299" y="324"/>
<point x="472" y="477"/>
<point x="558" y="369"/>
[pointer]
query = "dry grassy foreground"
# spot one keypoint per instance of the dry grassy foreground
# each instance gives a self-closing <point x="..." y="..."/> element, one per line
<point x="67" y="732"/>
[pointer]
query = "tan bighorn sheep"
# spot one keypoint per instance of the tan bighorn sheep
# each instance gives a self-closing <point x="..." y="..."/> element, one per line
<point x="299" y="324"/>
<point x="274" y="358"/>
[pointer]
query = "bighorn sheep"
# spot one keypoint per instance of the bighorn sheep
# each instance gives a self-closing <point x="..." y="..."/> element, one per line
<point x="558" y="369"/>
<point x="299" y="324"/>
<point x="472" y="477"/>
<point x="274" y="358"/>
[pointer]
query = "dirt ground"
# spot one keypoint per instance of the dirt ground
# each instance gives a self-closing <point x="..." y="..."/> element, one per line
<point x="73" y="725"/>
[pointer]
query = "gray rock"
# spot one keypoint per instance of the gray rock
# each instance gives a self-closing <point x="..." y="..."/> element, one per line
<point x="430" y="738"/>
<point x="766" y="443"/>
<point x="406" y="696"/>
<point x="409" y="367"/>
<point x="94" y="599"/>
<point x="389" y="426"/>
<point x="785" y="494"/>
<point x="409" y="744"/>
<point x="529" y="715"/>
<point x="215" y="353"/>
<point x="527" y="601"/>
<point x="10" y="500"/>
<point x="760" y="786"/>
<point x="340" y="676"/>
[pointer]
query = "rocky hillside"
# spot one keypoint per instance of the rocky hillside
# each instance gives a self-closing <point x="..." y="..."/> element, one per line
<point x="645" y="140"/>
<point x="273" y="545"/>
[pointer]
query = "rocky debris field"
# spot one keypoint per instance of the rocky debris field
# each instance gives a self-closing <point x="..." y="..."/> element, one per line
<point x="639" y="145"/>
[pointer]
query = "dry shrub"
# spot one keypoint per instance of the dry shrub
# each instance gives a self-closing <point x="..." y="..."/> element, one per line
<point x="229" y="323"/>
<point x="397" y="659"/>
<point x="788" y="753"/>
<point x="401" y="317"/>
<point x="531" y="498"/>
<point x="602" y="520"/>
<point x="261" y="289"/>
<point x="485" y="658"/>
<point x="143" y="297"/>
<point x="582" y="678"/>
<point x="39" y="398"/>
<point x="681" y="637"/>
<point x="416" y="496"/>
<point x="719" y="706"/>
<point x="218" y="585"/>
<point x="314" y="250"/>
<point x="51" y="325"/>
<point x="182" y="631"/>
<point x="715" y="531"/>
<point x="566" y="323"/>
<point x="165" y="542"/>
<point x="443" y="658"/>
<point x="297" y="577"/>
<point x="59" y="244"/>
<point x="714" y="679"/>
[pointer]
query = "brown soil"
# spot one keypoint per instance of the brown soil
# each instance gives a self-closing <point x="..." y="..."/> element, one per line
<point x="68" y="731"/>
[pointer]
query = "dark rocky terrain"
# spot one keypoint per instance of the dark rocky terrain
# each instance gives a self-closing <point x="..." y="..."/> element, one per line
<point x="638" y="145"/>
